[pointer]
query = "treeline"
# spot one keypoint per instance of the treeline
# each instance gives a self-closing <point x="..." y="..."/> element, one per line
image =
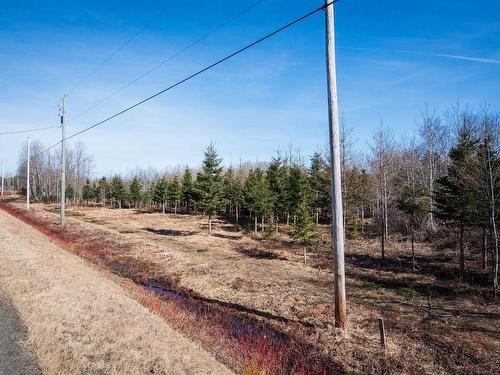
<point x="270" y="196"/>
<point x="45" y="172"/>
<point x="441" y="182"/>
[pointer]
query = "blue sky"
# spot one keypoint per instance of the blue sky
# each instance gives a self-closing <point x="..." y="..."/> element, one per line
<point x="393" y="58"/>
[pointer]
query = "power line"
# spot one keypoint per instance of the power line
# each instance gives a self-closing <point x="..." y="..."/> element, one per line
<point x="28" y="130"/>
<point x="168" y="59"/>
<point x="122" y="46"/>
<point x="178" y="83"/>
<point x="97" y="67"/>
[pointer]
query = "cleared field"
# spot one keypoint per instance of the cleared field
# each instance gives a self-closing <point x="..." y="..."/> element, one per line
<point x="431" y="328"/>
<point x="82" y="322"/>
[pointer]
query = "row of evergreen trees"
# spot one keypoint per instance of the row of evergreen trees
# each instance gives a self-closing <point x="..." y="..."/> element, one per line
<point x="281" y="193"/>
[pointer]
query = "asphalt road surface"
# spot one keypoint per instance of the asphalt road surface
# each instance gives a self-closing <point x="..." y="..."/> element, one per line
<point x="15" y="359"/>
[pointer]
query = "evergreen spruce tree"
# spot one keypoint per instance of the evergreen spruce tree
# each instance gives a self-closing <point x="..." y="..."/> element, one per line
<point x="70" y="192"/>
<point x="303" y="230"/>
<point x="135" y="191"/>
<point x="160" y="193"/>
<point x="257" y="195"/>
<point x="277" y="181"/>
<point x="319" y="181"/>
<point x="147" y="194"/>
<point x="411" y="202"/>
<point x="233" y="192"/>
<point x="88" y="192"/>
<point x="208" y="186"/>
<point x="188" y="193"/>
<point x="104" y="190"/>
<point x="297" y="190"/>
<point x="455" y="199"/>
<point x="174" y="192"/>
<point x="118" y="190"/>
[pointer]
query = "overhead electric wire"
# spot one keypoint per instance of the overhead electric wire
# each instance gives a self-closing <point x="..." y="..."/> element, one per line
<point x="122" y="46"/>
<point x="28" y="130"/>
<point x="178" y="83"/>
<point x="98" y="66"/>
<point x="168" y="59"/>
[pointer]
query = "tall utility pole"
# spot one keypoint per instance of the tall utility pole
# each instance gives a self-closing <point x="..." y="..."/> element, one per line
<point x="3" y="173"/>
<point x="337" y="213"/>
<point x="63" y="161"/>
<point x="28" y="178"/>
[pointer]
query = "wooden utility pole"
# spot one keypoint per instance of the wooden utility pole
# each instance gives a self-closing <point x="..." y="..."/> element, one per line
<point x="28" y="178"/>
<point x="63" y="162"/>
<point x="336" y="185"/>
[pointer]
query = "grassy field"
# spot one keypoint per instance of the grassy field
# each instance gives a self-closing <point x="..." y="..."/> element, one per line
<point x="435" y="324"/>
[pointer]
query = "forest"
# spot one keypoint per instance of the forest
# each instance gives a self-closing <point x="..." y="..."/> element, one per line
<point x="439" y="184"/>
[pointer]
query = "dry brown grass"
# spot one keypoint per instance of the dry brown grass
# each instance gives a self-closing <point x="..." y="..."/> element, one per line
<point x="81" y="322"/>
<point x="435" y="324"/>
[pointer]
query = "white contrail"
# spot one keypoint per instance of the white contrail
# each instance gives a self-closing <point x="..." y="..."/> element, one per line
<point x="444" y="55"/>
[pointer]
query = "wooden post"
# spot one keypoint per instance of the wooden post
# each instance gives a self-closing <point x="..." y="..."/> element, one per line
<point x="336" y="184"/>
<point x="381" y="328"/>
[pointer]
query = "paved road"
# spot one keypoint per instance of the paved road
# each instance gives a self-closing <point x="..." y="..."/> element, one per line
<point x="15" y="359"/>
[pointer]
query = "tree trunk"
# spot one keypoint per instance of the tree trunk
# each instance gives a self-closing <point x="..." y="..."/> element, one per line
<point x="209" y="224"/>
<point x="412" y="247"/>
<point x="484" y="249"/>
<point x="385" y="205"/>
<point x="163" y="206"/>
<point x="317" y="217"/>
<point x="175" y="208"/>
<point x="431" y="191"/>
<point x="262" y="228"/>
<point x="362" y="219"/>
<point x="255" y="223"/>
<point x="288" y="218"/>
<point x="382" y="238"/>
<point x="493" y="219"/>
<point x="495" y="253"/>
<point x="462" y="253"/>
<point x="237" y="211"/>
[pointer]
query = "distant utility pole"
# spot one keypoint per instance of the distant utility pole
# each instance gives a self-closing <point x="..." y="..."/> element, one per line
<point x="63" y="161"/>
<point x="337" y="213"/>
<point x="3" y="173"/>
<point x="28" y="178"/>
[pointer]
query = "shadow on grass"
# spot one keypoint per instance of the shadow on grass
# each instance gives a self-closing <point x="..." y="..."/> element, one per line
<point x="170" y="232"/>
<point x="226" y="236"/>
<point x="259" y="253"/>
<point x="432" y="266"/>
